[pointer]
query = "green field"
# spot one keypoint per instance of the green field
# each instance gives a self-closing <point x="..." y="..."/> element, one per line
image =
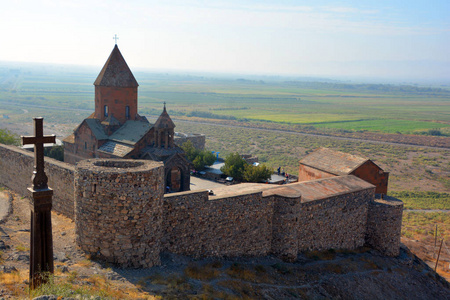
<point x="423" y="200"/>
<point x="326" y="106"/>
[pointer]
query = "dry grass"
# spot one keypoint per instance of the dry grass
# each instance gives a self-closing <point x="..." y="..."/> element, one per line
<point x="208" y="292"/>
<point x="85" y="263"/>
<point x="237" y="271"/>
<point x="205" y="272"/>
<point x="22" y="248"/>
<point x="14" y="283"/>
<point x="243" y="289"/>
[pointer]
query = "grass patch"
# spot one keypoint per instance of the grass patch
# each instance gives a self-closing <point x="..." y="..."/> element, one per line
<point x="85" y="263"/>
<point x="208" y="292"/>
<point x="94" y="286"/>
<point x="13" y="283"/>
<point x="22" y="248"/>
<point x="423" y="200"/>
<point x="383" y="125"/>
<point x="243" y="289"/>
<point x="237" y="271"/>
<point x="418" y="225"/>
<point x="205" y="272"/>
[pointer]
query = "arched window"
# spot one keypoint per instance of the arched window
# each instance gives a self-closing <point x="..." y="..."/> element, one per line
<point x="127" y="112"/>
<point x="106" y="110"/>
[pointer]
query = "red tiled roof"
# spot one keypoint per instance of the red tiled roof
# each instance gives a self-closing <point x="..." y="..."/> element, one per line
<point x="334" y="162"/>
<point x="116" y="72"/>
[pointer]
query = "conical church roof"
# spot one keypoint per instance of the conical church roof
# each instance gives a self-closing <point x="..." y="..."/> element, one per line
<point x="116" y="72"/>
<point x="164" y="120"/>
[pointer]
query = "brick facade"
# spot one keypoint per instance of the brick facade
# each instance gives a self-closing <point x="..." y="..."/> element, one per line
<point x="307" y="173"/>
<point x="373" y="174"/>
<point x="117" y="99"/>
<point x="325" y="163"/>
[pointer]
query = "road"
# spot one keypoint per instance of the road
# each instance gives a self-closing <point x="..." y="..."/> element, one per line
<point x="428" y="210"/>
<point x="312" y="135"/>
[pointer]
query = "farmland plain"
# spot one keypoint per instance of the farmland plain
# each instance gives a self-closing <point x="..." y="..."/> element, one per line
<point x="338" y="106"/>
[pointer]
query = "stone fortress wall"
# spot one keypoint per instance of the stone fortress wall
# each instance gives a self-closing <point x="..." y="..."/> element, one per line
<point x="118" y="205"/>
<point x="122" y="215"/>
<point x="197" y="139"/>
<point x="16" y="169"/>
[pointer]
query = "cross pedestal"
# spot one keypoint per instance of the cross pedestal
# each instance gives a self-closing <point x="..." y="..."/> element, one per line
<point x="41" y="243"/>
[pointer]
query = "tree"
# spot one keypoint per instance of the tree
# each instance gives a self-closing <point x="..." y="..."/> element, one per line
<point x="9" y="138"/>
<point x="56" y="152"/>
<point x="199" y="158"/>
<point x="234" y="166"/>
<point x="189" y="150"/>
<point x="256" y="173"/>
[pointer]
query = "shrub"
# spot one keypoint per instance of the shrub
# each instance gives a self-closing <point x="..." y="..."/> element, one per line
<point x="256" y="173"/>
<point x="199" y="158"/>
<point x="234" y="166"/>
<point x="9" y="138"/>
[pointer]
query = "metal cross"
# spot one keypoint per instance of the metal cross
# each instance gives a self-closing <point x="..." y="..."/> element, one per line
<point x="115" y="38"/>
<point x="38" y="140"/>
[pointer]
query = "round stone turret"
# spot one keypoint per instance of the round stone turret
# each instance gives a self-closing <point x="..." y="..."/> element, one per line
<point x="118" y="205"/>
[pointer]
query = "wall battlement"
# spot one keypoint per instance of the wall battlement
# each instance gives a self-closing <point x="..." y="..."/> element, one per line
<point x="121" y="213"/>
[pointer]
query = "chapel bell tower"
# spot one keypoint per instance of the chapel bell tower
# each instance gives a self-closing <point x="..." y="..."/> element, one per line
<point x="164" y="131"/>
<point x="116" y="91"/>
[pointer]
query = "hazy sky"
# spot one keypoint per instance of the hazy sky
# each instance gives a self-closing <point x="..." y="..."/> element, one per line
<point x="375" y="38"/>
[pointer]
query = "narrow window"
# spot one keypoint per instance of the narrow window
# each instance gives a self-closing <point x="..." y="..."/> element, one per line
<point x="127" y="112"/>
<point x="85" y="145"/>
<point x="106" y="110"/>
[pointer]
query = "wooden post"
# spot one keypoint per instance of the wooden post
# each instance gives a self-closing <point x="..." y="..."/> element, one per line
<point x="439" y="253"/>
<point x="435" y="236"/>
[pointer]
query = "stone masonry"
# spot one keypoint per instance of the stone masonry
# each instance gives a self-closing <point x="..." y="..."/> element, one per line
<point x="16" y="167"/>
<point x="197" y="139"/>
<point x="122" y="216"/>
<point x="384" y="224"/>
<point x="118" y="205"/>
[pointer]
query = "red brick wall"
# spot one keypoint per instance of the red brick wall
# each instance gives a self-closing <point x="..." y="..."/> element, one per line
<point x="306" y="173"/>
<point x="116" y="99"/>
<point x="371" y="173"/>
<point x="84" y="147"/>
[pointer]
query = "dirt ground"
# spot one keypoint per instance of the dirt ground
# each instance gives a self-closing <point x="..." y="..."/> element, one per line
<point x="315" y="275"/>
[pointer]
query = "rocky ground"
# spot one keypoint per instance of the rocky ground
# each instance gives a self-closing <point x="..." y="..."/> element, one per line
<point x="362" y="274"/>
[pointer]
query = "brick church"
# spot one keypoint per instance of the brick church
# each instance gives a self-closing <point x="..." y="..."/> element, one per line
<point x="116" y="130"/>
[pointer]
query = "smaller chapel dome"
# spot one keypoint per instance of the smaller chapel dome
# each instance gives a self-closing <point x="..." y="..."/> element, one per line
<point x="164" y="120"/>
